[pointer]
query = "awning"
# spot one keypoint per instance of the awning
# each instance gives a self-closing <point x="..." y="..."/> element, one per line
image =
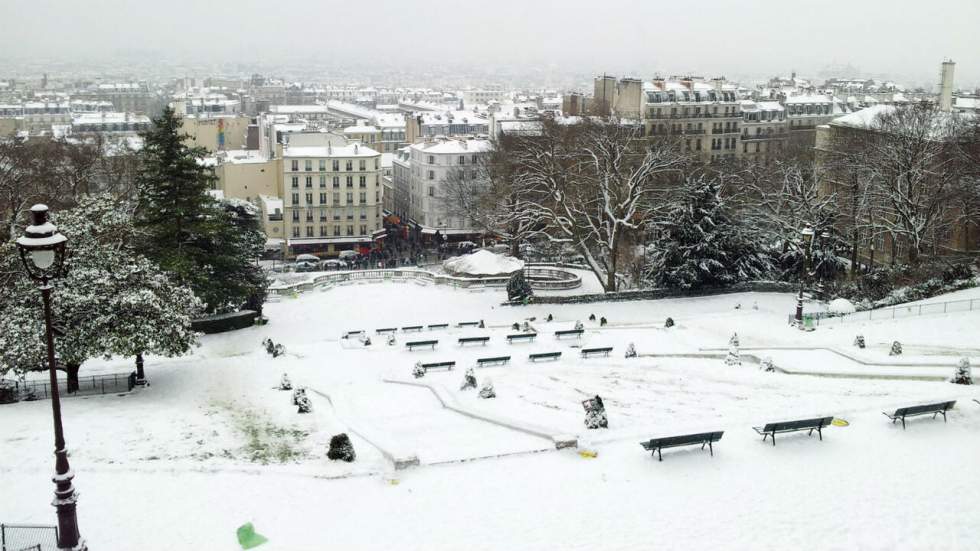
<point x="328" y="241"/>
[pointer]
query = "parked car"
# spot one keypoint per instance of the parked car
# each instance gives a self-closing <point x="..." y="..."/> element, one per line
<point x="348" y="255"/>
<point x="307" y="258"/>
<point x="334" y="264"/>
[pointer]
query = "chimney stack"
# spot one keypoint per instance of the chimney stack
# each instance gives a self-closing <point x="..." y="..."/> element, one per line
<point x="946" y="86"/>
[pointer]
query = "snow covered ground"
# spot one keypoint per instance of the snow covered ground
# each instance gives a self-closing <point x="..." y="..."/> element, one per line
<point x="211" y="444"/>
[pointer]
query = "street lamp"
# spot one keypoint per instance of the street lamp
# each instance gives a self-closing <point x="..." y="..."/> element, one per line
<point x="42" y="250"/>
<point x="807" y="241"/>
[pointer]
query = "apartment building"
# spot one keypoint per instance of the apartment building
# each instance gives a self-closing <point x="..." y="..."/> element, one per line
<point x="806" y="112"/>
<point x="432" y="164"/>
<point x="332" y="198"/>
<point x="444" y="123"/>
<point x="707" y="117"/>
<point x="765" y="130"/>
<point x="109" y="123"/>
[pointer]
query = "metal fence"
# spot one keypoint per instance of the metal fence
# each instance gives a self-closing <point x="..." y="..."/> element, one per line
<point x="111" y="383"/>
<point x="895" y="312"/>
<point x="28" y="537"/>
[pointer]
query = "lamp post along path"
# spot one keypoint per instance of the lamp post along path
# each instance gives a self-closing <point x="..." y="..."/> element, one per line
<point x="42" y="251"/>
<point x="807" y="240"/>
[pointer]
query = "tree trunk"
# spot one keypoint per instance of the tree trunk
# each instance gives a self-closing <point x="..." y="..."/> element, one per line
<point x="72" y="370"/>
<point x="913" y="255"/>
<point x="611" y="267"/>
<point x="140" y="376"/>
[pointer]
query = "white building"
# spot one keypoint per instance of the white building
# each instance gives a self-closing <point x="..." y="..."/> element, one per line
<point x="431" y="164"/>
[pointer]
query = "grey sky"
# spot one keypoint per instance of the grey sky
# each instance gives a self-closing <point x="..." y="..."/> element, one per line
<point x="904" y="38"/>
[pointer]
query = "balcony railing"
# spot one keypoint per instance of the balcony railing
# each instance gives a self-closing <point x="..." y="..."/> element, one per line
<point x="749" y="138"/>
<point x="668" y="116"/>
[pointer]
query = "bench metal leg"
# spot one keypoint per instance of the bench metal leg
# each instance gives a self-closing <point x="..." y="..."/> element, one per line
<point x="710" y="449"/>
<point x="659" y="456"/>
<point x="944" y="416"/>
<point x="773" y="438"/>
<point x="820" y="434"/>
<point x="903" y="422"/>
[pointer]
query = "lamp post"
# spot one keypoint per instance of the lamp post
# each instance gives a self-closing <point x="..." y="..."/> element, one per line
<point x="807" y="242"/>
<point x="42" y="250"/>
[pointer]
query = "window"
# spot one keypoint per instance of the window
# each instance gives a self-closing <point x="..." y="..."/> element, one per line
<point x="350" y="197"/>
<point x="309" y="198"/>
<point x="336" y="165"/>
<point x="350" y="230"/>
<point x="377" y="196"/>
<point x="309" y="215"/>
<point x="323" y="181"/>
<point x="295" y="181"/>
<point x="309" y="181"/>
<point x="375" y="163"/>
<point x="295" y="165"/>
<point x="350" y="212"/>
<point x="350" y="181"/>
<point x="336" y="217"/>
<point x="363" y="215"/>
<point x="336" y="181"/>
<point x="362" y="165"/>
<point x="323" y="166"/>
<point x="336" y="198"/>
<point x="432" y="191"/>
<point x="295" y="231"/>
<point x="362" y="181"/>
<point x="432" y="175"/>
<point x="323" y="198"/>
<point x="362" y="197"/>
<point x="308" y="165"/>
<point x="432" y="159"/>
<point x="323" y="231"/>
<point x="349" y="166"/>
<point x="323" y="215"/>
<point x="295" y="216"/>
<point x="295" y="198"/>
<point x="462" y="159"/>
<point x="363" y="229"/>
<point x="336" y="230"/>
<point x="309" y="231"/>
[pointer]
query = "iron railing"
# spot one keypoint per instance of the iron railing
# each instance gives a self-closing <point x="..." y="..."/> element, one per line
<point x="897" y="312"/>
<point x="28" y="537"/>
<point x="111" y="383"/>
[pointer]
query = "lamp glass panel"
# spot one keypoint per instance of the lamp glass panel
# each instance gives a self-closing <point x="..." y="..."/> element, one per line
<point x="43" y="259"/>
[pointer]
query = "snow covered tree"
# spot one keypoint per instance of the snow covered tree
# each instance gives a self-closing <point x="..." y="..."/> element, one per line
<point x="700" y="244"/>
<point x="859" y="341"/>
<point x="487" y="390"/>
<point x="418" y="371"/>
<point x="896" y="349"/>
<point x="630" y="351"/>
<point x="112" y="300"/>
<point x="767" y="365"/>
<point x="733" y="357"/>
<point x="469" y="379"/>
<point x="209" y="246"/>
<point x="285" y="383"/>
<point x="963" y="374"/>
<point x="595" y="413"/>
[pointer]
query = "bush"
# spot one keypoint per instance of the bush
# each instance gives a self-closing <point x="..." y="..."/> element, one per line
<point x="341" y="448"/>
<point x="221" y="323"/>
<point x="963" y="374"/>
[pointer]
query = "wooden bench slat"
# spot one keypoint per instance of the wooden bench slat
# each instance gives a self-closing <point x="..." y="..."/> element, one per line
<point x="586" y="352"/>
<point x="924" y="409"/>
<point x="544" y="355"/>
<point x="497" y="359"/>
<point x="815" y="424"/>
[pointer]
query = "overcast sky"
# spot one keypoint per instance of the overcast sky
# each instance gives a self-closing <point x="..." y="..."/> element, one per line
<point x="904" y="38"/>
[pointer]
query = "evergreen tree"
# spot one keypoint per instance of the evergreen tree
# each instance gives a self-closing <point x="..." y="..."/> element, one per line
<point x="701" y="245"/>
<point x="207" y="245"/>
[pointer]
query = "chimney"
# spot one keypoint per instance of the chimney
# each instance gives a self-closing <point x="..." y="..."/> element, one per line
<point x="946" y="86"/>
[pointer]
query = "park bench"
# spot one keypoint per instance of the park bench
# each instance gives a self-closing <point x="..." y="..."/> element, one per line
<point x="417" y="344"/>
<point x="577" y="333"/>
<point x="448" y="366"/>
<point x="386" y="330"/>
<point x="468" y="324"/>
<point x="589" y="352"/>
<point x="353" y="333"/>
<point x="521" y="337"/>
<point x="977" y="401"/>
<point x="654" y="445"/>
<point x="499" y="360"/>
<point x="411" y="328"/>
<point x="912" y="411"/>
<point x="463" y="341"/>
<point x="811" y="425"/>
<point x="544" y="356"/>
<point x="438" y="326"/>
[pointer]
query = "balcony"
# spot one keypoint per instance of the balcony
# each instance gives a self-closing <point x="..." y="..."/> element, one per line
<point x="759" y="137"/>
<point x="695" y="116"/>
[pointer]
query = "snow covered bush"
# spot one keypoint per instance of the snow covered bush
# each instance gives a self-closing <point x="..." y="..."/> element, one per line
<point x="701" y="244"/>
<point x="285" y="383"/>
<point x="591" y="317"/>
<point x="278" y="350"/>
<point x="733" y="357"/>
<point x="767" y="364"/>
<point x="304" y="405"/>
<point x="630" y="351"/>
<point x="391" y="339"/>
<point x="469" y="379"/>
<point x="550" y="317"/>
<point x="896" y="349"/>
<point x="518" y="288"/>
<point x="859" y="341"/>
<point x="602" y="322"/>
<point x="341" y="448"/>
<point x="418" y="371"/>
<point x="841" y="306"/>
<point x="595" y="413"/>
<point x="734" y="340"/>
<point x="578" y="325"/>
<point x="298" y="393"/>
<point x="963" y="374"/>
<point x="487" y="391"/>
<point x="669" y="323"/>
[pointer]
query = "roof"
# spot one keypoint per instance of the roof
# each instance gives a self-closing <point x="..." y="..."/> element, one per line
<point x="865" y="118"/>
<point x="353" y="150"/>
<point x="109" y="118"/>
<point x="810" y="98"/>
<point x="298" y="109"/>
<point x="454" y="146"/>
<point x="361" y="130"/>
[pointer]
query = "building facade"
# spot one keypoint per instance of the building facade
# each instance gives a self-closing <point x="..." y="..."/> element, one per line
<point x="332" y="198"/>
<point x="433" y="165"/>
<point x="765" y="131"/>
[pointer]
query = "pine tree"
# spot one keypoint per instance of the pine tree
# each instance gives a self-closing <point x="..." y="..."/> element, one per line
<point x="963" y="374"/>
<point x="207" y="245"/>
<point x="702" y="245"/>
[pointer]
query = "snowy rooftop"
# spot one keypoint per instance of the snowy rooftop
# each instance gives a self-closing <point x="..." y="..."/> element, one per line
<point x="353" y="150"/>
<point x="109" y="118"/>
<point x="450" y="146"/>
<point x="298" y="109"/>
<point x="810" y="98"/>
<point x="364" y="129"/>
